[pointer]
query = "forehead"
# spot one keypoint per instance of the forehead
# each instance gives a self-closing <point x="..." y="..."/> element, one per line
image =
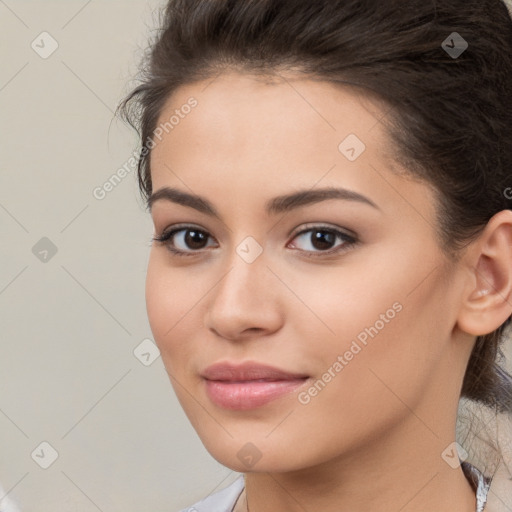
<point x="234" y="101"/>
<point x="290" y="119"/>
<point x="266" y="138"/>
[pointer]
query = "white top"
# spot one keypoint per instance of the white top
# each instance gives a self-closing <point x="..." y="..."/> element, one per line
<point x="221" y="501"/>
<point x="224" y="500"/>
<point x="6" y="505"/>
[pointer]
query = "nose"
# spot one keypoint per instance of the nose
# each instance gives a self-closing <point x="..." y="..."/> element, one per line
<point x="245" y="302"/>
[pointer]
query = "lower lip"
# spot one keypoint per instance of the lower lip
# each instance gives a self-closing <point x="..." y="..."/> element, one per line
<point x="249" y="394"/>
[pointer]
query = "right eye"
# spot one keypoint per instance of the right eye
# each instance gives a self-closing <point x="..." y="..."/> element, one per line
<point x="178" y="239"/>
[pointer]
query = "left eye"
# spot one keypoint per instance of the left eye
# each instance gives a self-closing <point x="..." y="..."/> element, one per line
<point x="318" y="240"/>
<point x="322" y="239"/>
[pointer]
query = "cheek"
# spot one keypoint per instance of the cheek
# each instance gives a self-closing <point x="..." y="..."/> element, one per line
<point x="374" y="384"/>
<point x="338" y="307"/>
<point x="389" y="339"/>
<point x="168" y="305"/>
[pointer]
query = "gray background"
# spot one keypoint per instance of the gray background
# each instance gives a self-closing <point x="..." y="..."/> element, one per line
<point x="71" y="321"/>
<point x="69" y="325"/>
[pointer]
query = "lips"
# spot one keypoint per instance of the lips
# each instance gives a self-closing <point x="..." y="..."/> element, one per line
<point x="248" y="385"/>
<point x="248" y="372"/>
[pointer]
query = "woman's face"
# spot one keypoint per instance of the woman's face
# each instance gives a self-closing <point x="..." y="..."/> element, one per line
<point x="350" y="294"/>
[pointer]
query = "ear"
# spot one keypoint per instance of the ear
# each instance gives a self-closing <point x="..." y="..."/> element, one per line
<point x="487" y="300"/>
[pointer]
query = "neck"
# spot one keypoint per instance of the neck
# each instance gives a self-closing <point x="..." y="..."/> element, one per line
<point x="403" y="472"/>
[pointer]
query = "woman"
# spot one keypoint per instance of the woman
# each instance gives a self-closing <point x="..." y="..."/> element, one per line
<point x="331" y="273"/>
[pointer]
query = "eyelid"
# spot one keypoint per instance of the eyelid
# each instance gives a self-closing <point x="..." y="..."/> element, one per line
<point x="350" y="238"/>
<point x="320" y="226"/>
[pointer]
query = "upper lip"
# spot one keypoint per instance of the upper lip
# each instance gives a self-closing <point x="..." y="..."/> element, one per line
<point x="225" y="371"/>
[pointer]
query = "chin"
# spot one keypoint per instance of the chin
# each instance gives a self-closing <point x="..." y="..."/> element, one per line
<point x="253" y="457"/>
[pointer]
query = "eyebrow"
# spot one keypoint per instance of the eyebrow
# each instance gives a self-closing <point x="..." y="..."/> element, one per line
<point x="277" y="205"/>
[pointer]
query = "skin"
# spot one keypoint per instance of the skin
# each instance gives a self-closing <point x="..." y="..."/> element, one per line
<point x="373" y="438"/>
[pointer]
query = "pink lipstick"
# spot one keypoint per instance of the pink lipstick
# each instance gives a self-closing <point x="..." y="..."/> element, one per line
<point x="248" y="385"/>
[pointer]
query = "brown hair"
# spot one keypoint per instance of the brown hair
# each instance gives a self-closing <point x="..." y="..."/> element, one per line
<point x="450" y="116"/>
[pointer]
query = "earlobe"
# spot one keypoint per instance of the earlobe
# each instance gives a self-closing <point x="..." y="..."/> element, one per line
<point x="488" y="303"/>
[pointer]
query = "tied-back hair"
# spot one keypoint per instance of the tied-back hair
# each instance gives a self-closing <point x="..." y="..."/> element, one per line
<point x="449" y="117"/>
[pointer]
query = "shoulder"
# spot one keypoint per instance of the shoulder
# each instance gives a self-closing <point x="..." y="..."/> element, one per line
<point x="221" y="501"/>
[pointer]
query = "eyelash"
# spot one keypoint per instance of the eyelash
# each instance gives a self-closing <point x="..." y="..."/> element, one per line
<point x="350" y="241"/>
